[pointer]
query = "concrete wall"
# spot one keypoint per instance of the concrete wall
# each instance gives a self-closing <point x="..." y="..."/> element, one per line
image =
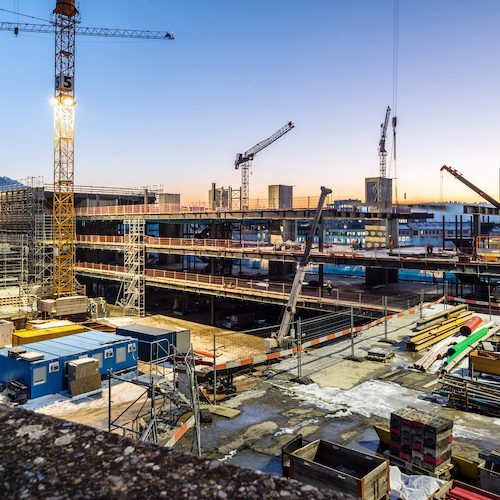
<point x="280" y="196"/>
<point x="378" y="191"/>
<point x="169" y="198"/>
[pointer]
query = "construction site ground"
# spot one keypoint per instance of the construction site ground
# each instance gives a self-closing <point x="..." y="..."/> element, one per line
<point x="230" y="344"/>
<point x="344" y="401"/>
<point x="341" y="404"/>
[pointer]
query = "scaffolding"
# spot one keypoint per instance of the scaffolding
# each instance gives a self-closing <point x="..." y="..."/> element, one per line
<point x="24" y="246"/>
<point x="169" y="404"/>
<point x="134" y="257"/>
<point x="39" y="237"/>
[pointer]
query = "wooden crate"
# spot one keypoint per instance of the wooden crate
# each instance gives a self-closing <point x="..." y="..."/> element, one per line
<point x="330" y="465"/>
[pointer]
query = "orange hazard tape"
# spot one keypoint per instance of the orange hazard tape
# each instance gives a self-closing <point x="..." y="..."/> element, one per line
<point x="182" y="430"/>
<point x="288" y="352"/>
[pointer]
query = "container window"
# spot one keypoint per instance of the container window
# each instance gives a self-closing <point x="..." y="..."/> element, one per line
<point x="121" y="355"/>
<point x="108" y="353"/>
<point x="39" y="375"/>
<point x="98" y="356"/>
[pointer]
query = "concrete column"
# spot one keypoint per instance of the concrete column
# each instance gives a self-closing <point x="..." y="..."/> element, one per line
<point x="169" y="231"/>
<point x="212" y="310"/>
<point x="281" y="231"/>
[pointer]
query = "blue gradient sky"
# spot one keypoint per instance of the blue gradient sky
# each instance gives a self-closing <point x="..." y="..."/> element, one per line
<point x="176" y="113"/>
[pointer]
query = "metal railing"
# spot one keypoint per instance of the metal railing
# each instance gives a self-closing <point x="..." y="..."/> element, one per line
<point x="331" y="250"/>
<point x="299" y="202"/>
<point x="263" y="288"/>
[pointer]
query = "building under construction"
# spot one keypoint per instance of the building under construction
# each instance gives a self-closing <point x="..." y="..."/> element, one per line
<point x="324" y="315"/>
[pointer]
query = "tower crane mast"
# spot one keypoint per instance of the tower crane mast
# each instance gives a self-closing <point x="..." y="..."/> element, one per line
<point x="244" y="161"/>
<point x="64" y="24"/>
<point x="382" y="152"/>
<point x="469" y="184"/>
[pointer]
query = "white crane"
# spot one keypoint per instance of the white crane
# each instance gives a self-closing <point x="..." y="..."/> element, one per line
<point x="244" y="161"/>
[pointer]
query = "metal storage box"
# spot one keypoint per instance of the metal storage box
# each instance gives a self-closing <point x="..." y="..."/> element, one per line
<point x="329" y="465"/>
<point x="154" y="343"/>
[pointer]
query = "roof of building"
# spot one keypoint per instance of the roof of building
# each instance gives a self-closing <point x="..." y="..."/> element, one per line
<point x="71" y="345"/>
<point x="149" y="330"/>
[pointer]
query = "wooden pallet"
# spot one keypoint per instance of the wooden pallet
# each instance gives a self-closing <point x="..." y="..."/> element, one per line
<point x="441" y="472"/>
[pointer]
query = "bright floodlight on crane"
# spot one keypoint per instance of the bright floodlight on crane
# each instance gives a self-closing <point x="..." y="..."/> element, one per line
<point x="63" y="24"/>
<point x="244" y="162"/>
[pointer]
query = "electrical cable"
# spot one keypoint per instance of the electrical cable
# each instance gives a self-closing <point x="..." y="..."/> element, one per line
<point x="395" y="64"/>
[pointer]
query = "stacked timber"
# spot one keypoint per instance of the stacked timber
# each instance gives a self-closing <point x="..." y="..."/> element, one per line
<point x="434" y="319"/>
<point x="458" y="352"/>
<point x="436" y="332"/>
<point x="471" y="394"/>
<point x="422" y="441"/>
<point x="46" y="306"/>
<point x="76" y="304"/>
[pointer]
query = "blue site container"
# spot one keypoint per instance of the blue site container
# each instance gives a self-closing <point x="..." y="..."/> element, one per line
<point x="41" y="377"/>
<point x="154" y="343"/>
<point x="113" y="352"/>
<point x="49" y="375"/>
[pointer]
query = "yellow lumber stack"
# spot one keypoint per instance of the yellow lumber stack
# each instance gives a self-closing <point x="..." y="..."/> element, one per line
<point x="29" y="336"/>
<point x="438" y="318"/>
<point x="437" y="332"/>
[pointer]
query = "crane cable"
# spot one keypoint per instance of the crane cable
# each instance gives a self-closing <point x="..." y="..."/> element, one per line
<point x="395" y="63"/>
<point x="23" y="15"/>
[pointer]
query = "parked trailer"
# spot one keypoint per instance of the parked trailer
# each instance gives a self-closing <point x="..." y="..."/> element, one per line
<point x="41" y="366"/>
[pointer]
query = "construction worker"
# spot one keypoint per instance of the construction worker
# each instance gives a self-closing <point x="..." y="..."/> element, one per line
<point x="329" y="287"/>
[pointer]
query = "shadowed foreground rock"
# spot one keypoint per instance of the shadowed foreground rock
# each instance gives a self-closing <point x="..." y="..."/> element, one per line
<point x="45" y="457"/>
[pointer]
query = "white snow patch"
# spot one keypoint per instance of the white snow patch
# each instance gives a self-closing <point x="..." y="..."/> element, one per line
<point x="291" y="430"/>
<point x="372" y="397"/>
<point x="227" y="457"/>
<point x="60" y="405"/>
<point x="38" y="404"/>
<point x="378" y="398"/>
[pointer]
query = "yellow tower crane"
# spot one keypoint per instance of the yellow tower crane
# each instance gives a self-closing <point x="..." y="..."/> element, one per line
<point x="64" y="23"/>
